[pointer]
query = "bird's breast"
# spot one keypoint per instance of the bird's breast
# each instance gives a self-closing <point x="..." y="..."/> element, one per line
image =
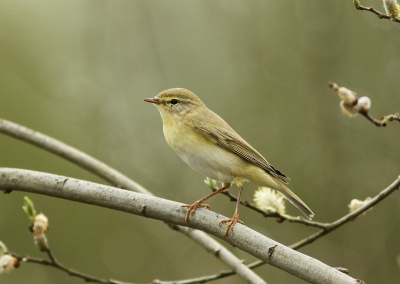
<point x="201" y="154"/>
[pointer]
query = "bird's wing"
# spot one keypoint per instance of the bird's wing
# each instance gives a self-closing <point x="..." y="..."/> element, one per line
<point x="230" y="140"/>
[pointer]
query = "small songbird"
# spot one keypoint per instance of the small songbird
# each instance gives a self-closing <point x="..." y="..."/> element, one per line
<point x="210" y="146"/>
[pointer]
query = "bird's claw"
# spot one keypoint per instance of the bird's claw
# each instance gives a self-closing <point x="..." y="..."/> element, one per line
<point x="231" y="223"/>
<point x="192" y="208"/>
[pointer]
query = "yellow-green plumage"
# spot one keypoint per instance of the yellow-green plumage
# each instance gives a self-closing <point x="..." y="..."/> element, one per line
<point x="211" y="147"/>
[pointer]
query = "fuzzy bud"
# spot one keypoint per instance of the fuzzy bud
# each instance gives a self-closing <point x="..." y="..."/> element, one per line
<point x="267" y="199"/>
<point x="348" y="110"/>
<point x="347" y="96"/>
<point x="391" y="8"/>
<point x="355" y="204"/>
<point x="41" y="224"/>
<point x="41" y="242"/>
<point x="8" y="263"/>
<point x="364" y="104"/>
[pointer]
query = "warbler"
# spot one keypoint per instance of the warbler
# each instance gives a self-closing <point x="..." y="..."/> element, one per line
<point x="205" y="142"/>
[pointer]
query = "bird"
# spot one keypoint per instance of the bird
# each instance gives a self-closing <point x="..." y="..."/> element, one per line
<point x="204" y="141"/>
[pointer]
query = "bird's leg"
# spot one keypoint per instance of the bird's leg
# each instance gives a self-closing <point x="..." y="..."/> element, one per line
<point x="235" y="218"/>
<point x="192" y="208"/>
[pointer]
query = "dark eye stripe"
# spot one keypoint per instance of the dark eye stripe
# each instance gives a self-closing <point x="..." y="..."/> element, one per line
<point x="174" y="101"/>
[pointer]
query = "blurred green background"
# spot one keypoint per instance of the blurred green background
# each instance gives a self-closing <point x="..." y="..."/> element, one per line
<point x="78" y="71"/>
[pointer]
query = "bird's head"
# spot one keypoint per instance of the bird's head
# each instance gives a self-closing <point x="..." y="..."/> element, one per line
<point x="175" y="103"/>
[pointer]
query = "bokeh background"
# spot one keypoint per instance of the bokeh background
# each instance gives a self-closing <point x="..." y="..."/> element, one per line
<point x="78" y="71"/>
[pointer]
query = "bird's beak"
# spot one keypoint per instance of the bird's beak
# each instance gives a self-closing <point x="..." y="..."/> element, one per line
<point x="152" y="100"/>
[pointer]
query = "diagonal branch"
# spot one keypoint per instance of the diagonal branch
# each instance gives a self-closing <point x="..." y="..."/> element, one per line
<point x="373" y="10"/>
<point x="351" y="216"/>
<point x="250" y="241"/>
<point x="384" y="120"/>
<point x="119" y="180"/>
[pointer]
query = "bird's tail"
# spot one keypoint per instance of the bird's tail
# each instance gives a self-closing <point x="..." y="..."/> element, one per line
<point x="295" y="200"/>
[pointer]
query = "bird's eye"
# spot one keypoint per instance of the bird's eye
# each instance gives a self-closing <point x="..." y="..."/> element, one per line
<point x="174" y="101"/>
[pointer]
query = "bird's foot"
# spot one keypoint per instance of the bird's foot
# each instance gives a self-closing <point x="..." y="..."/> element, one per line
<point x="231" y="223"/>
<point x="192" y="208"/>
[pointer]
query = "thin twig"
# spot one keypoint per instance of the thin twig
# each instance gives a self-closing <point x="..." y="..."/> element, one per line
<point x="354" y="109"/>
<point x="203" y="279"/>
<point x="383" y="121"/>
<point x="372" y="9"/>
<point x="353" y="215"/>
<point x="56" y="264"/>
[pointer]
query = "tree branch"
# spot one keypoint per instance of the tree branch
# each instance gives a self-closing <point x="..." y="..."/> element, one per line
<point x="119" y="180"/>
<point x="244" y="238"/>
<point x="372" y="10"/>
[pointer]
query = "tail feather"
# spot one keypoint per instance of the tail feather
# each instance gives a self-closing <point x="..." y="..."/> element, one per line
<point x="295" y="200"/>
